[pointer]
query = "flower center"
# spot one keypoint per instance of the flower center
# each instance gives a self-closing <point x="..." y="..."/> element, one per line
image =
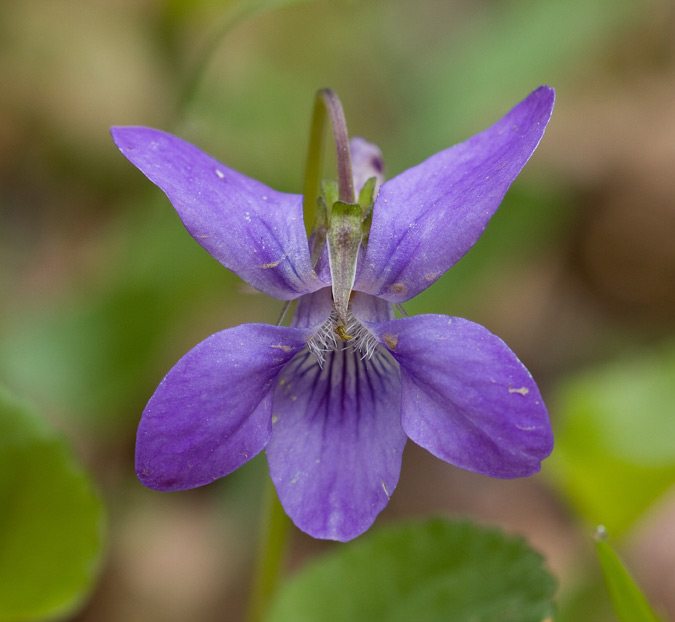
<point x="337" y="334"/>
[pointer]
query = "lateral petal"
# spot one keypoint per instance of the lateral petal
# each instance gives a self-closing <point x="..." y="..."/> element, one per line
<point x="336" y="446"/>
<point x="212" y="412"/>
<point x="466" y="397"/>
<point x="428" y="217"/>
<point x="255" y="231"/>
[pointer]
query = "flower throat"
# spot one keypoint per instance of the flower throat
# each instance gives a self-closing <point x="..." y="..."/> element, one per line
<point x="337" y="221"/>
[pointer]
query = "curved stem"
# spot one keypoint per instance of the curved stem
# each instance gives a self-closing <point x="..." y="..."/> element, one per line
<point x="273" y="538"/>
<point x="341" y="136"/>
<point x="327" y="101"/>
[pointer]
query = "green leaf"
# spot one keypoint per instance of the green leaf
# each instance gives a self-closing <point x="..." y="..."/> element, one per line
<point x="614" y="454"/>
<point x="426" y="571"/>
<point x="630" y="604"/>
<point x="50" y="520"/>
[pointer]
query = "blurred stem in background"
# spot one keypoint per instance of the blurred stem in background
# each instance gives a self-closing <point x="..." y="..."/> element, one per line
<point x="273" y="537"/>
<point x="189" y="82"/>
<point x="234" y="15"/>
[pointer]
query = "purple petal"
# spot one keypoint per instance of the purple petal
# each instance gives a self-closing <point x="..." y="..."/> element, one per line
<point x="337" y="442"/>
<point x="368" y="308"/>
<point x="212" y="412"/>
<point x="255" y="231"/>
<point x="367" y="162"/>
<point x="313" y="309"/>
<point x="466" y="397"/>
<point x="427" y="218"/>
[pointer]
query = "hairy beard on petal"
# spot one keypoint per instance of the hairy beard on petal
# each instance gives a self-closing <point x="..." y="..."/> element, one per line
<point x="337" y="335"/>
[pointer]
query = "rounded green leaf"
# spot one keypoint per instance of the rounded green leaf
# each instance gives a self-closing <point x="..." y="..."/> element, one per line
<point x="425" y="571"/>
<point x="50" y="520"/>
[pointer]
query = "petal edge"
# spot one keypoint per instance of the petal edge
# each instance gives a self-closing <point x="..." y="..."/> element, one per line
<point x="428" y="217"/>
<point x="466" y="397"/>
<point x="212" y="411"/>
<point x="255" y="231"/>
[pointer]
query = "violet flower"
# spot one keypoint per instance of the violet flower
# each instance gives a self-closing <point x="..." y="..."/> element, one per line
<point x="333" y="397"/>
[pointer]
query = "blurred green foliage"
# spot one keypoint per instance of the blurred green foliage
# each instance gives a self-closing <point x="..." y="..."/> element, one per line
<point x="91" y="349"/>
<point x="50" y="520"/>
<point x="614" y="453"/>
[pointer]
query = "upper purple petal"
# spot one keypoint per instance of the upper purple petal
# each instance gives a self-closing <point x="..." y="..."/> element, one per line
<point x="427" y="218"/>
<point x="466" y="397"/>
<point x="212" y="412"/>
<point x="255" y="231"/>
<point x="367" y="162"/>
<point x="336" y="446"/>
